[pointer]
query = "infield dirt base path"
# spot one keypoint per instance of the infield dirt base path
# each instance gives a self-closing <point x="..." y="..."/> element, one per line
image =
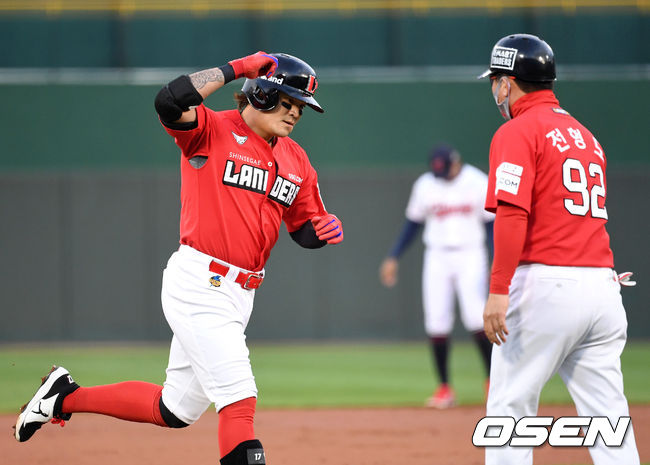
<point x="359" y="436"/>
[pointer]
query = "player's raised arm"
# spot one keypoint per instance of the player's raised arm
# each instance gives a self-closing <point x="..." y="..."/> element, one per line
<point x="176" y="101"/>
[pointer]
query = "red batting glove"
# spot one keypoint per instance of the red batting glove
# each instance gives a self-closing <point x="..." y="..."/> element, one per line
<point x="254" y="66"/>
<point x="328" y="228"/>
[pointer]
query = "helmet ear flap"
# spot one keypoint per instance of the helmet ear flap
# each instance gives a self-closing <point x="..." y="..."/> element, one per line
<point x="258" y="97"/>
<point x="265" y="100"/>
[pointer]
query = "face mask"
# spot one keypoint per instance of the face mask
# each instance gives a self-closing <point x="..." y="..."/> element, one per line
<point x="504" y="106"/>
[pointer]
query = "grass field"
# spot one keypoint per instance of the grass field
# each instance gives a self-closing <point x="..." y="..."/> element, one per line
<point x="297" y="375"/>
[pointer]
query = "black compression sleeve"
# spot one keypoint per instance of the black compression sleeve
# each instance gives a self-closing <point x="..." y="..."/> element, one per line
<point x="306" y="237"/>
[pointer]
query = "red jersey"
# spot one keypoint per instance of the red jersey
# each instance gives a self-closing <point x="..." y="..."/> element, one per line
<point x="234" y="199"/>
<point x="546" y="162"/>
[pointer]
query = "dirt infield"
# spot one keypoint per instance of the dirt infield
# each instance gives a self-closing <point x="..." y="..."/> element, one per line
<point x="387" y="436"/>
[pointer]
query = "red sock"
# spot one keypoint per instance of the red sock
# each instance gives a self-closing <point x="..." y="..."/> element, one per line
<point x="130" y="400"/>
<point x="236" y="424"/>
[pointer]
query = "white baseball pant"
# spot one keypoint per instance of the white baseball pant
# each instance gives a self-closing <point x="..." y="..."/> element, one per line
<point x="448" y="272"/>
<point x="208" y="358"/>
<point x="566" y="320"/>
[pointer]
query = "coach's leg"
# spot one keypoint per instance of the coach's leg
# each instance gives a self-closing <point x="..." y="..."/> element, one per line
<point x="540" y="324"/>
<point x="592" y="373"/>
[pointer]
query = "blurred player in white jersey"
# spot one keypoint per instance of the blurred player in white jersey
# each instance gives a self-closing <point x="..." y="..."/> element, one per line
<point x="448" y="199"/>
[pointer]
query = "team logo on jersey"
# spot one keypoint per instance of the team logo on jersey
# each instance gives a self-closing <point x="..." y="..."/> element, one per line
<point x="503" y="58"/>
<point x="284" y="191"/>
<point x="508" y="177"/>
<point x="249" y="177"/>
<point x="240" y="139"/>
<point x="443" y="211"/>
<point x="215" y="281"/>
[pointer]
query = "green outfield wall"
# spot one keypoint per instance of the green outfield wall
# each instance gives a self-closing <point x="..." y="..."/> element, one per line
<point x="617" y="32"/>
<point x="89" y="205"/>
<point x="366" y="124"/>
<point x="83" y="254"/>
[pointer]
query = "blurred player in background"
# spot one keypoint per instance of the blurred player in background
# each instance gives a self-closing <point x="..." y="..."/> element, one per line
<point x="555" y="302"/>
<point x="448" y="200"/>
<point x="241" y="176"/>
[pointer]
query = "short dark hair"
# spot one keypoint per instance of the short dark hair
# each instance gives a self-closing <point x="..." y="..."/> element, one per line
<point x="528" y="86"/>
<point x="241" y="100"/>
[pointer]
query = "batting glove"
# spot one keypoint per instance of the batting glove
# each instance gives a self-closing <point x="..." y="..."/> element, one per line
<point x="254" y="66"/>
<point x="328" y="228"/>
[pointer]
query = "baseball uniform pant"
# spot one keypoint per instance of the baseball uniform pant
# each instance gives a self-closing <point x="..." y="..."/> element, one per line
<point x="449" y="272"/>
<point x="566" y="320"/>
<point x="208" y="359"/>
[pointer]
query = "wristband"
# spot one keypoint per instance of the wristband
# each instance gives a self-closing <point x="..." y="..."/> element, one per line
<point x="228" y="73"/>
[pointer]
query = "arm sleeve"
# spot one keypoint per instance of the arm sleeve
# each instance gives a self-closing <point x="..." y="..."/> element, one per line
<point x="306" y="236"/>
<point x="510" y="228"/>
<point x="409" y="231"/>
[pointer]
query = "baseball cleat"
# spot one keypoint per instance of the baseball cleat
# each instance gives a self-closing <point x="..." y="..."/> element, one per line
<point x="444" y="397"/>
<point x="46" y="404"/>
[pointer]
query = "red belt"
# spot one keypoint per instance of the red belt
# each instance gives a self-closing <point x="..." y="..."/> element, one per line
<point x="246" y="280"/>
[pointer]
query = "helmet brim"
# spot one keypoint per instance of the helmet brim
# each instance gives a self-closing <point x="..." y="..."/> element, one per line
<point x="486" y="73"/>
<point x="291" y="92"/>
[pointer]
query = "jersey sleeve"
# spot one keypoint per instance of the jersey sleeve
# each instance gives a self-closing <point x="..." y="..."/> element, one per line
<point x="416" y="207"/>
<point x="308" y="202"/>
<point x="512" y="168"/>
<point x="194" y="141"/>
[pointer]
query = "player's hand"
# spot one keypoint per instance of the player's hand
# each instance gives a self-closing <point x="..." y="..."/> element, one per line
<point x="253" y="66"/>
<point x="388" y="271"/>
<point x="494" y="318"/>
<point x="328" y="228"/>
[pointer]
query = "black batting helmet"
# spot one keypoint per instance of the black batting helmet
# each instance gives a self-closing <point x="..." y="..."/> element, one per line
<point x="524" y="56"/>
<point x="292" y="76"/>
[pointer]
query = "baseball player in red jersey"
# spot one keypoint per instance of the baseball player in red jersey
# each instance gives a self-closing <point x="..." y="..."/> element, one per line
<point x="241" y="176"/>
<point x="554" y="304"/>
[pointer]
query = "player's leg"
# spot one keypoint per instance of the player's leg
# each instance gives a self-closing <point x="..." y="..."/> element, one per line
<point x="59" y="397"/>
<point x="471" y="283"/>
<point x="209" y="324"/>
<point x="592" y="373"/>
<point x="541" y="323"/>
<point x="438" y="301"/>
